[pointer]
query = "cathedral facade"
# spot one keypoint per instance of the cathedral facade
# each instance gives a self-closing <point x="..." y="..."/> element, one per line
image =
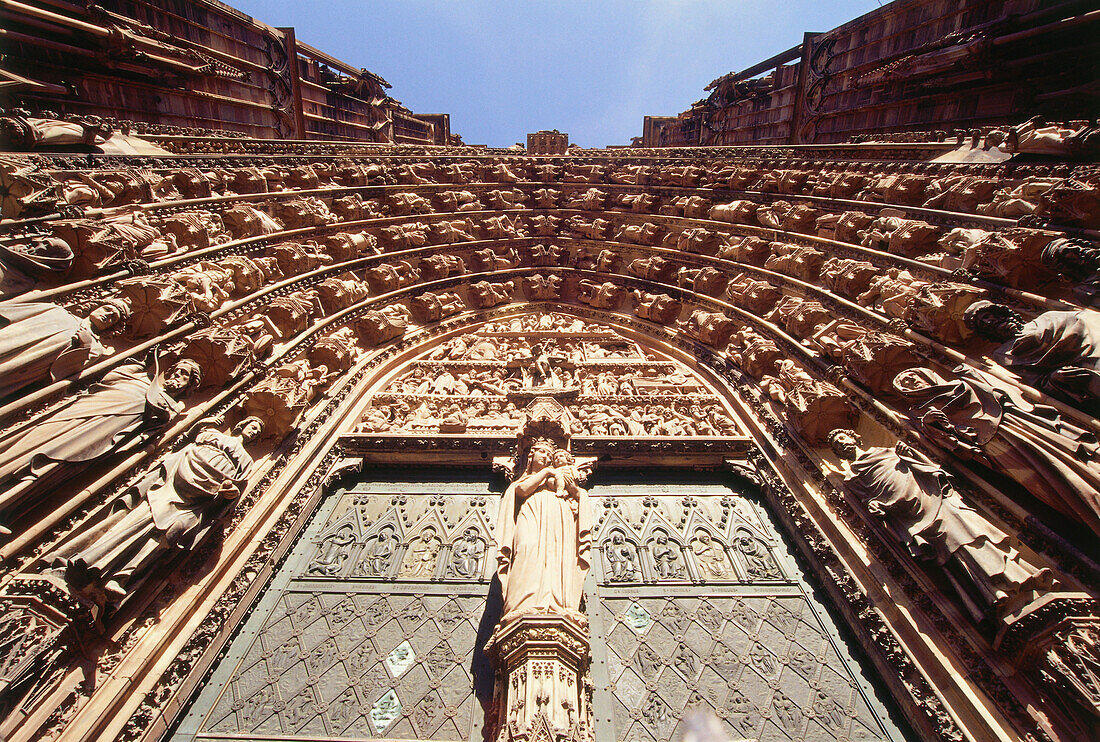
<point x="319" y="440"/>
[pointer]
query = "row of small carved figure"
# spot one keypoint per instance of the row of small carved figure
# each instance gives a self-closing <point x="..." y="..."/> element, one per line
<point x="1035" y="136"/>
<point x="85" y="248"/>
<point x="663" y="557"/>
<point x="1019" y="258"/>
<point x="419" y="415"/>
<point x="104" y="125"/>
<point x="147" y="305"/>
<point x="1067" y="197"/>
<point x="1008" y="257"/>
<point x="1016" y="257"/>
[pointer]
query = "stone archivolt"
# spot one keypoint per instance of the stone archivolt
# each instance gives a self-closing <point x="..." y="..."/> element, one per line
<point x="783" y="319"/>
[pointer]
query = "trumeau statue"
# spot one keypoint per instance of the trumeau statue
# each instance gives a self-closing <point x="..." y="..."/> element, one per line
<point x="1058" y="352"/>
<point x="916" y="499"/>
<point x="169" y="510"/>
<point x="982" y="418"/>
<point x="126" y="405"/>
<point x="544" y="532"/>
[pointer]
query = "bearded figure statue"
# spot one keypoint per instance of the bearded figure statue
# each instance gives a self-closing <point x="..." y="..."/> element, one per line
<point x="920" y="506"/>
<point x="169" y="510"/>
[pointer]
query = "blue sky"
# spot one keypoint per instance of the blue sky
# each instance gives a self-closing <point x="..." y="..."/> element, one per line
<point x="591" y="69"/>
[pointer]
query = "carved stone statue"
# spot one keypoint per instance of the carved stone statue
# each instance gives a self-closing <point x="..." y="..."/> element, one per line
<point x="700" y="240"/>
<point x="1074" y="259"/>
<point x="710" y="556"/>
<point x="1058" y="352"/>
<point x="126" y="405"/>
<point x="759" y="562"/>
<point x="735" y="212"/>
<point x="641" y="234"/>
<point x="814" y="407"/>
<point x="754" y="353"/>
<point x="485" y="294"/>
<point x="544" y="536"/>
<point x="800" y="261"/>
<point x="850" y="278"/>
<point x="919" y="504"/>
<point x="712" y="328"/>
<point x="381" y="325"/>
<point x="542" y="371"/>
<point x="340" y="292"/>
<point x="938" y="308"/>
<point x="466" y="554"/>
<point x="659" y="308"/>
<point x="422" y="553"/>
<point x="708" y="281"/>
<point x="374" y="561"/>
<point x="40" y="340"/>
<point x="622" y="558"/>
<point x="870" y="357"/>
<point x="21" y="263"/>
<point x="432" y="307"/>
<point x="169" y="510"/>
<point x="759" y="297"/>
<point x="27" y="133"/>
<point x="441" y="266"/>
<point x="604" y="295"/>
<point x="332" y="552"/>
<point x="668" y="560"/>
<point x="981" y="418"/>
<point x="391" y="276"/>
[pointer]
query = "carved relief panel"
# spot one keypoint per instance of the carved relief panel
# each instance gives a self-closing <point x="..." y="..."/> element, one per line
<point x="370" y="628"/>
<point x="480" y="382"/>
<point x="696" y="603"/>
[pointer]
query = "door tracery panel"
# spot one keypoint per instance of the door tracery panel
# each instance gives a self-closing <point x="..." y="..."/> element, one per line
<point x="373" y="626"/>
<point x="370" y="627"/>
<point x="695" y="602"/>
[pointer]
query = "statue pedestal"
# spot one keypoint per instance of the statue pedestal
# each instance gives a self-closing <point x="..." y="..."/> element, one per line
<point x="1056" y="640"/>
<point x="41" y="625"/>
<point x="542" y="688"/>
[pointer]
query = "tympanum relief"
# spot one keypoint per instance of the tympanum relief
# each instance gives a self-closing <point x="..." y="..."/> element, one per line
<point x="480" y="382"/>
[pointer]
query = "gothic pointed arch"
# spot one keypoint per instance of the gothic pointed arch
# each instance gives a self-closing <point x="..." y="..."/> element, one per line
<point x="720" y="313"/>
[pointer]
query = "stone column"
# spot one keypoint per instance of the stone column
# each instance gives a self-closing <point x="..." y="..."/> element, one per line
<point x="542" y="689"/>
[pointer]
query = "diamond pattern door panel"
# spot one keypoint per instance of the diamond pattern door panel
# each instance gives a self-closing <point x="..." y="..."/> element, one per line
<point x="696" y="603"/>
<point x="369" y="630"/>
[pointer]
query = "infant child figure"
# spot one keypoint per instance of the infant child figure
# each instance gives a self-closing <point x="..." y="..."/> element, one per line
<point x="567" y="475"/>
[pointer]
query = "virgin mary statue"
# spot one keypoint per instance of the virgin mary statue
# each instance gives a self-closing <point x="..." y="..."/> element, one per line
<point x="544" y="532"/>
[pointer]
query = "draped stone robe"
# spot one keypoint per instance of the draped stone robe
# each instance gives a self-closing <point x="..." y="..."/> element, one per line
<point x="918" y="502"/>
<point x="544" y="543"/>
<point x="111" y="415"/>
<point x="169" y="509"/>
<point x="1060" y="352"/>
<point x="989" y="421"/>
<point x="39" y="340"/>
